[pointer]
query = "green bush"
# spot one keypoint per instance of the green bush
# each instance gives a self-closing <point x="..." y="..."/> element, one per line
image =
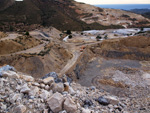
<point x="70" y="36"/>
<point x="27" y="33"/>
<point x="98" y="38"/>
<point x="68" y="32"/>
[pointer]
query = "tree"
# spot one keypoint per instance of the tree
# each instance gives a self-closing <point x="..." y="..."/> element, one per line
<point x="68" y="32"/>
<point x="11" y="28"/>
<point x="98" y="37"/>
<point x="27" y="33"/>
<point x="142" y="29"/>
<point x="70" y="36"/>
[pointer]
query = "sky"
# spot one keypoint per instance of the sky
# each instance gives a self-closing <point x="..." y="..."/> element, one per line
<point x="94" y="2"/>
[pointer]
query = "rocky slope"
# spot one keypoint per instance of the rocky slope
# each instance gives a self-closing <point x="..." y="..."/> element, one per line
<point x="21" y="93"/>
<point x="106" y="17"/>
<point x="64" y="15"/>
<point x="135" y="47"/>
<point x="52" y="58"/>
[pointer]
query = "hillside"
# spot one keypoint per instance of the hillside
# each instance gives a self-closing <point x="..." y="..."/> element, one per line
<point x="63" y="15"/>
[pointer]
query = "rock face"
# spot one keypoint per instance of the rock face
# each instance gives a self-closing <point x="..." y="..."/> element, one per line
<point x="70" y="106"/>
<point x="55" y="102"/>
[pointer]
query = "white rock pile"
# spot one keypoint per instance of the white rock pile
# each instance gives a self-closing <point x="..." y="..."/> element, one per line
<point x="20" y="93"/>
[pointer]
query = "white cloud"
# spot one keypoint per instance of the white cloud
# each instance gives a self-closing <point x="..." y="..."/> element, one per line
<point x="115" y="1"/>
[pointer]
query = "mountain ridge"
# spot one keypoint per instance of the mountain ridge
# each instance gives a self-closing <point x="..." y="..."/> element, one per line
<point x="63" y="15"/>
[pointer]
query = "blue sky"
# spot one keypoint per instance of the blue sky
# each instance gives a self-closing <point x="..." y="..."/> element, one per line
<point x="115" y="1"/>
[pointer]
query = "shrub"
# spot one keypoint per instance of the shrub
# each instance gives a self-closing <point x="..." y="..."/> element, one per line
<point x="98" y="38"/>
<point x="27" y="33"/>
<point x="68" y="32"/>
<point x="70" y="36"/>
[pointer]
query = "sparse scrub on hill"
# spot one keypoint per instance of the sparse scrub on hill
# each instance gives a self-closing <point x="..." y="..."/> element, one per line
<point x="125" y="16"/>
<point x="42" y="53"/>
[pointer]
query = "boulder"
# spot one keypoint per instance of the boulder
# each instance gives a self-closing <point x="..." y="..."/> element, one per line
<point x="34" y="91"/>
<point x="88" y="103"/>
<point x="47" y="87"/>
<point x="55" y="102"/>
<point x="112" y="100"/>
<point x="70" y="106"/>
<point x="35" y="84"/>
<point x="64" y="111"/>
<point x="59" y="87"/>
<point x="10" y="74"/>
<point x="54" y="75"/>
<point x="25" y="89"/>
<point x="15" y="97"/>
<point x="85" y="110"/>
<point x="27" y="78"/>
<point x="6" y="68"/>
<point x="51" y="74"/>
<point x="71" y="91"/>
<point x="92" y="87"/>
<point x="20" y="109"/>
<point x="48" y="80"/>
<point x="45" y="94"/>
<point x="103" y="101"/>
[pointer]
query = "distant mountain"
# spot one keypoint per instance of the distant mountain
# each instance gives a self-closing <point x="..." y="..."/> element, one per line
<point x="143" y="12"/>
<point x="63" y="14"/>
<point x="140" y="11"/>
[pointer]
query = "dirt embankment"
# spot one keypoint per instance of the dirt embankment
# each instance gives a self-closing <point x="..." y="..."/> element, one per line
<point x="18" y="44"/>
<point x="134" y="48"/>
<point x="81" y="64"/>
<point x="53" y="58"/>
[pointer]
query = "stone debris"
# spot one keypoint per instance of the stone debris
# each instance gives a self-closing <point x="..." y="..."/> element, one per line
<point x="24" y="94"/>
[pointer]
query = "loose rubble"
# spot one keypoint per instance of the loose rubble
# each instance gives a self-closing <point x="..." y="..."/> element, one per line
<point x="20" y="93"/>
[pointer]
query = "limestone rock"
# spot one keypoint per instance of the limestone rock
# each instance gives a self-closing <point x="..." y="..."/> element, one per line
<point x="64" y="111"/>
<point x="15" y="97"/>
<point x="55" y="102"/>
<point x="27" y="78"/>
<point x="35" y="84"/>
<point x="45" y="94"/>
<point x="48" y="80"/>
<point x="71" y="91"/>
<point x="112" y="100"/>
<point x="70" y="106"/>
<point x="85" y="110"/>
<point x="10" y="74"/>
<point x="59" y="87"/>
<point x="20" y="109"/>
<point x="34" y="91"/>
<point x="6" y="68"/>
<point x="25" y="89"/>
